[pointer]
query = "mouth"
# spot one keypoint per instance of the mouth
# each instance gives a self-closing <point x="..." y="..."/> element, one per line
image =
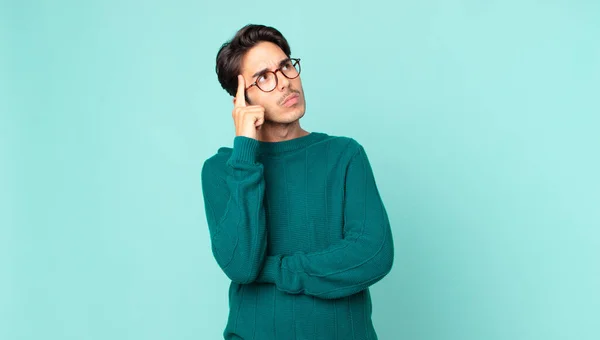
<point x="290" y="100"/>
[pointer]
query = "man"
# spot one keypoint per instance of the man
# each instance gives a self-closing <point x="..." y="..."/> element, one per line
<point x="295" y="217"/>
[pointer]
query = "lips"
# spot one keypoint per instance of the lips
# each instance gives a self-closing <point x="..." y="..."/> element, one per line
<point x="290" y="99"/>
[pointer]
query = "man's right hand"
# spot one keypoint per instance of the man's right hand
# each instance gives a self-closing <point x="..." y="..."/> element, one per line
<point x="247" y="118"/>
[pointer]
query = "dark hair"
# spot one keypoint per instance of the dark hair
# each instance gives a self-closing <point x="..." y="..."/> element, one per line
<point x="230" y="54"/>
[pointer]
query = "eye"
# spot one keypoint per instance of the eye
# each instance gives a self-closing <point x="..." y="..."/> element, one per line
<point x="287" y="65"/>
<point x="261" y="78"/>
<point x="264" y="78"/>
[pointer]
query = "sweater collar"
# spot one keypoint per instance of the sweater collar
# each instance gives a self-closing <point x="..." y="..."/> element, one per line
<point x="272" y="148"/>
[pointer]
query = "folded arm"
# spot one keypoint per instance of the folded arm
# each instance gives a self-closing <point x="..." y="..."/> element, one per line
<point x="364" y="255"/>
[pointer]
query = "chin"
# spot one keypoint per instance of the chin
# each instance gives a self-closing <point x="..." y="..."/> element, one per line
<point x="288" y="116"/>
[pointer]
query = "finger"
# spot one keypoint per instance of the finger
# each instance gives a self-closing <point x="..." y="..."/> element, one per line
<point x="253" y="116"/>
<point x="253" y="110"/>
<point x="248" y="110"/>
<point x="240" y="98"/>
<point x="243" y="112"/>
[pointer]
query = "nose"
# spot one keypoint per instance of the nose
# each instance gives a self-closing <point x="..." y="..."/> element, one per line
<point x="282" y="81"/>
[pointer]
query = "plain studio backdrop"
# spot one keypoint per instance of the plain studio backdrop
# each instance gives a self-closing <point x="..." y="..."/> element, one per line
<point x="480" y="118"/>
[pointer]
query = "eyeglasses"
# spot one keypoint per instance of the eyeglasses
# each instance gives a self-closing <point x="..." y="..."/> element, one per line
<point x="267" y="81"/>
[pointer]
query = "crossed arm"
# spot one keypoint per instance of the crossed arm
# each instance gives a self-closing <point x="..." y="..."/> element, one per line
<point x="238" y="232"/>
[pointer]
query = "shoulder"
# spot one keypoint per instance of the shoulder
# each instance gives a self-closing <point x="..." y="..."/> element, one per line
<point x="217" y="162"/>
<point x="344" y="145"/>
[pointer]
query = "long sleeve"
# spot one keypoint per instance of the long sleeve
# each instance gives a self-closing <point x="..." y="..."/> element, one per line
<point x="233" y="197"/>
<point x="363" y="256"/>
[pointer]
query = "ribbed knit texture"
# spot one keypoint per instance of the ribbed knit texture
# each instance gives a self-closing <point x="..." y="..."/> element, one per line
<point x="300" y="229"/>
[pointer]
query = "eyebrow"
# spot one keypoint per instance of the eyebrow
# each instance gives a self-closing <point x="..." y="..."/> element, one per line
<point x="281" y="63"/>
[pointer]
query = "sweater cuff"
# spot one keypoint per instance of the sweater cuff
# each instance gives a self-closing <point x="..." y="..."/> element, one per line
<point x="270" y="269"/>
<point x="245" y="149"/>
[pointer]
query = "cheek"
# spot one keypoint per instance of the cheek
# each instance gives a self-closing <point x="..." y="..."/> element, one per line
<point x="256" y="99"/>
<point x="297" y="84"/>
<point x="266" y="100"/>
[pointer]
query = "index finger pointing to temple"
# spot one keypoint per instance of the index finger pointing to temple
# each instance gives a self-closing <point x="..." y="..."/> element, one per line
<point x="240" y="98"/>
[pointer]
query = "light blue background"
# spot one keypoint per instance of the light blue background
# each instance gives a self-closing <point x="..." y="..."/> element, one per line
<point x="480" y="119"/>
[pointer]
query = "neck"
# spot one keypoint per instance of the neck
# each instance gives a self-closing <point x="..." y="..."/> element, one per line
<point x="279" y="132"/>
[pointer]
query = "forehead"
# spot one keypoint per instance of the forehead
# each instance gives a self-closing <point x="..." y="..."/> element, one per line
<point x="263" y="55"/>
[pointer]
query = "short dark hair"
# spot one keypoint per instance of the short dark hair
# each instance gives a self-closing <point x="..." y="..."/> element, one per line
<point x="229" y="57"/>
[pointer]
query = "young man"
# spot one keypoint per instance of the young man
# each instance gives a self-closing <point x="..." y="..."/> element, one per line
<point x="295" y="217"/>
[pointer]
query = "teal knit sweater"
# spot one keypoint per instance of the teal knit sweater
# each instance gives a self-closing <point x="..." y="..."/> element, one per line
<point x="300" y="229"/>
